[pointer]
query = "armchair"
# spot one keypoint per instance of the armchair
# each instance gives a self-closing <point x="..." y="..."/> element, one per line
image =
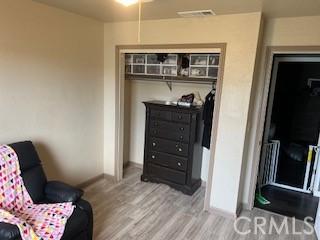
<point x="79" y="226"/>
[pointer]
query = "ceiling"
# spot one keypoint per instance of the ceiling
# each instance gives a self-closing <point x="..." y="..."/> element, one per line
<point x="111" y="11"/>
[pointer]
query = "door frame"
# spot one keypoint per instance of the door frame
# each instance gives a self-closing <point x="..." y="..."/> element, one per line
<point x="271" y="51"/>
<point x="119" y="106"/>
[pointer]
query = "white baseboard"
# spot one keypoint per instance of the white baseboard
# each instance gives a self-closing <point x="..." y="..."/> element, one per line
<point x="109" y="177"/>
<point x="223" y="213"/>
<point x="91" y="181"/>
<point x="246" y="206"/>
<point x="133" y="164"/>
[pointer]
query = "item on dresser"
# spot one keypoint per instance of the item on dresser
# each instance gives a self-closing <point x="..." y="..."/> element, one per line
<point x="197" y="99"/>
<point x="186" y="100"/>
<point x="173" y="151"/>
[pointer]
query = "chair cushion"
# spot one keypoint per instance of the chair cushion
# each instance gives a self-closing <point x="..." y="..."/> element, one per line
<point x="32" y="172"/>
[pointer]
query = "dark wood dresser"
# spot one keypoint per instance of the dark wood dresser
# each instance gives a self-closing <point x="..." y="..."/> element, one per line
<point x="173" y="151"/>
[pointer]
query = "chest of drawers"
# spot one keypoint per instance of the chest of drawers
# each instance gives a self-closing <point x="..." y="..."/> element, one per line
<point x="173" y="151"/>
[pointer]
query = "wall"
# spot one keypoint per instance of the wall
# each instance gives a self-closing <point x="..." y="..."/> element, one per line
<point x="51" y="87"/>
<point x="278" y="32"/>
<point x="240" y="32"/>
<point x="138" y="92"/>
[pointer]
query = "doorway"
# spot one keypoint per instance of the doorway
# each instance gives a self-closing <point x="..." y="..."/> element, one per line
<point x="288" y="180"/>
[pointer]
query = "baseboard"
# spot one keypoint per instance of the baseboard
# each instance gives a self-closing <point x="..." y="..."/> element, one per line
<point x="96" y="179"/>
<point x="223" y="213"/>
<point x="203" y="184"/>
<point x="246" y="206"/>
<point x="239" y="210"/>
<point x="133" y="164"/>
<point x="125" y="165"/>
<point x="109" y="177"/>
<point x="90" y="181"/>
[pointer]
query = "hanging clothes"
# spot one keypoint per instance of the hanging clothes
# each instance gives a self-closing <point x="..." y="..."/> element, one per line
<point x="207" y="119"/>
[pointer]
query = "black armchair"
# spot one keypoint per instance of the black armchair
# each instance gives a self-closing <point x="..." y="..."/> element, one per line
<point x="79" y="226"/>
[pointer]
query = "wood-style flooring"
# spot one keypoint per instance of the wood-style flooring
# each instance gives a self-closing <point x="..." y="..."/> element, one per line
<point x="137" y="210"/>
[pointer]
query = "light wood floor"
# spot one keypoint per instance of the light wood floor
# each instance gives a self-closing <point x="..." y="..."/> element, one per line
<point x="136" y="210"/>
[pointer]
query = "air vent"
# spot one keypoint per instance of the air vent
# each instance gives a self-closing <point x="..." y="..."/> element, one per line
<point x="198" y="13"/>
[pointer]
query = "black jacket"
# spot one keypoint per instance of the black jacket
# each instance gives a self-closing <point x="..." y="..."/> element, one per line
<point x="207" y="119"/>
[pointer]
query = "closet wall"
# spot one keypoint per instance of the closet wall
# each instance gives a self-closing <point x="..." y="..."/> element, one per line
<point x="138" y="91"/>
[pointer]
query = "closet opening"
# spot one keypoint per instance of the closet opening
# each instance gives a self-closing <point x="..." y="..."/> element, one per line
<point x="152" y="81"/>
<point x="289" y="170"/>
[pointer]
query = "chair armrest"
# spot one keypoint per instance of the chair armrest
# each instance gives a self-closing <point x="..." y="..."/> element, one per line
<point x="59" y="192"/>
<point x="86" y="207"/>
<point x="9" y="232"/>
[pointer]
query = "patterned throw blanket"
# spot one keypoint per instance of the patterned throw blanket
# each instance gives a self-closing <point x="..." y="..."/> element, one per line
<point x="35" y="221"/>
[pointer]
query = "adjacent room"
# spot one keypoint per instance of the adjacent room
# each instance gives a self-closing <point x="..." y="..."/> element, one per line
<point x="159" y="119"/>
<point x="288" y="175"/>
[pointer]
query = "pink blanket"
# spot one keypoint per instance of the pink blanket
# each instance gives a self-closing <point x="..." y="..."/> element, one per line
<point x="35" y="221"/>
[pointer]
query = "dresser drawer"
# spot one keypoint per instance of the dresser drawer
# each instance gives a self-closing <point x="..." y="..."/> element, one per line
<point x="168" y="160"/>
<point x="163" y="115"/>
<point x="178" y="117"/>
<point x="168" y="146"/>
<point x="169" y="130"/>
<point x="181" y="117"/>
<point x="167" y="174"/>
<point x="169" y="134"/>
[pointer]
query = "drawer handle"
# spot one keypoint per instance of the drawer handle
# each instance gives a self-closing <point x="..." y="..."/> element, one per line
<point x="179" y="164"/>
<point x="181" y="137"/>
<point x="180" y="149"/>
<point x="179" y="117"/>
<point x="153" y="156"/>
<point x="182" y="128"/>
<point x="154" y="144"/>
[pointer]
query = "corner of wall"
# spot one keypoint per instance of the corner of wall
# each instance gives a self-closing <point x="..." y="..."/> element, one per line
<point x="246" y="167"/>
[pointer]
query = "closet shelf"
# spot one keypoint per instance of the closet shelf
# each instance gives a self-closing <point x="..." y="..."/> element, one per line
<point x="171" y="79"/>
<point x="175" y="79"/>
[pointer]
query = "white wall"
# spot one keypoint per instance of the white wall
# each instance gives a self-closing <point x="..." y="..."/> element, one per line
<point x="300" y="31"/>
<point x="51" y="87"/>
<point x="138" y="92"/>
<point x="240" y="32"/>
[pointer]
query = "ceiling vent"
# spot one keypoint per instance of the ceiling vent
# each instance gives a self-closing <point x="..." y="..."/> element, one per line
<point x="198" y="13"/>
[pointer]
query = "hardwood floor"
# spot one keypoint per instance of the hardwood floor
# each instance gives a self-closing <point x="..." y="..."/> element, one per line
<point x="136" y="210"/>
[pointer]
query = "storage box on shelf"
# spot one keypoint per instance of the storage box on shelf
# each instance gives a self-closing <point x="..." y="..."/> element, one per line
<point x="203" y="69"/>
<point x="204" y="65"/>
<point x="170" y="65"/>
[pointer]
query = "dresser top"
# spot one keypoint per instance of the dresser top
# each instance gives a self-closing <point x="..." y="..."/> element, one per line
<point x="171" y="105"/>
